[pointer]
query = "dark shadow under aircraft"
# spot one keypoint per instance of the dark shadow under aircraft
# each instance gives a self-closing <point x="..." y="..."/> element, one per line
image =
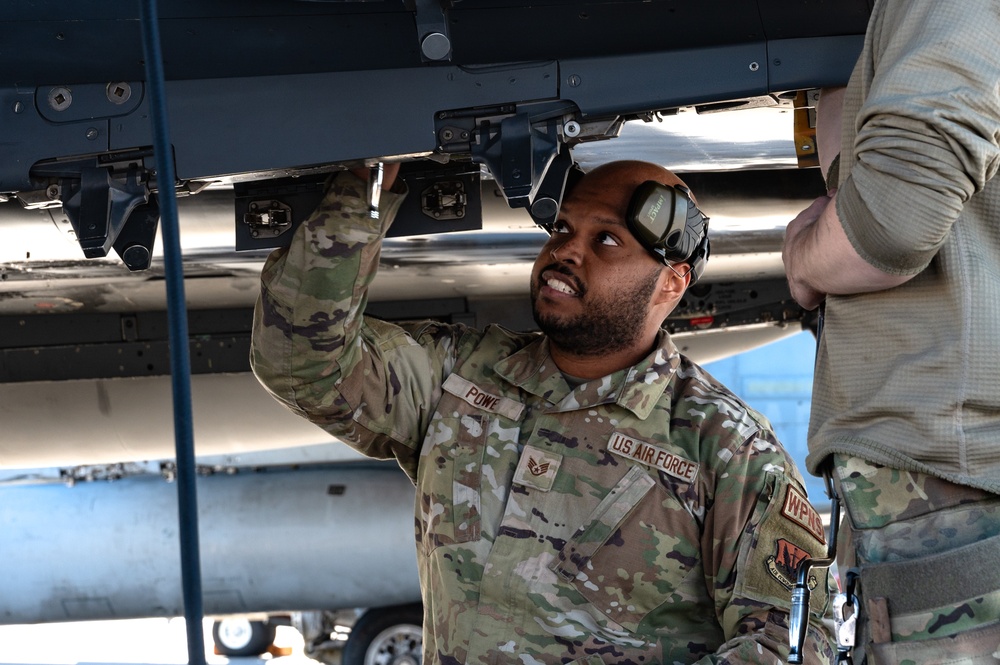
<point x="487" y="104"/>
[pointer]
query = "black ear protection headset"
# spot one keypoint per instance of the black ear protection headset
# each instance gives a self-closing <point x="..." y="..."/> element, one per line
<point x="666" y="221"/>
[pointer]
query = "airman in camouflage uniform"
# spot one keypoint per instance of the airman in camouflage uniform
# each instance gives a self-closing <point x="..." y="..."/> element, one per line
<point x="637" y="514"/>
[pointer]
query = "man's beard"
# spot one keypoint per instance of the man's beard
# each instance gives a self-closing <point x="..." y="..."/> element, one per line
<point x="607" y="325"/>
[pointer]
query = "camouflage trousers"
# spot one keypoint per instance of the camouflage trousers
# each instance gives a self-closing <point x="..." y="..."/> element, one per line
<point x="928" y="555"/>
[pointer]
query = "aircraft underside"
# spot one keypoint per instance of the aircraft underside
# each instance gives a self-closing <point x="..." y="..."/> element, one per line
<point x="487" y="104"/>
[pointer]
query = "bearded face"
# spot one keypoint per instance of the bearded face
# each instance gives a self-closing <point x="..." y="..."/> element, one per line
<point x="607" y="318"/>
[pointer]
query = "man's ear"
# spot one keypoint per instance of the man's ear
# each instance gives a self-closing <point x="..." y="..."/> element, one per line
<point x="671" y="285"/>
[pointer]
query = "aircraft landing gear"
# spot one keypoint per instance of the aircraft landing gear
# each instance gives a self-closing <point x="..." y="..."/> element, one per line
<point x="387" y="636"/>
<point x="239" y="637"/>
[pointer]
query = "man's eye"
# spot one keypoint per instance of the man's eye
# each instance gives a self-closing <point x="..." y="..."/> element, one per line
<point x="608" y="239"/>
<point x="560" y="227"/>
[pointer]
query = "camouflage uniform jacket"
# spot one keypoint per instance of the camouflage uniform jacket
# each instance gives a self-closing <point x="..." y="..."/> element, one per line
<point x="646" y="517"/>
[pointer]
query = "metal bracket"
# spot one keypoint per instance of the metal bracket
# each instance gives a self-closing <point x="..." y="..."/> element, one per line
<point x="804" y="115"/>
<point x="445" y="199"/>
<point x="134" y="244"/>
<point x="107" y="200"/>
<point x="100" y="205"/>
<point x="268" y="211"/>
<point x="268" y="218"/>
<point x="528" y="159"/>
<point x="432" y="31"/>
<point x="545" y="206"/>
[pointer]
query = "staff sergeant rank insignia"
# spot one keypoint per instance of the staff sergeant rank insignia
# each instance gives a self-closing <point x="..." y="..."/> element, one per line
<point x="537" y="468"/>
<point x="647" y="453"/>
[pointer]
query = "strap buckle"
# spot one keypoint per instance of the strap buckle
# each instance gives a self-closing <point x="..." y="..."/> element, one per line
<point x="845" y="617"/>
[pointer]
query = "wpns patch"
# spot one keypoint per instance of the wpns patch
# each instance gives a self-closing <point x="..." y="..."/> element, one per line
<point x="798" y="509"/>
<point x="783" y="565"/>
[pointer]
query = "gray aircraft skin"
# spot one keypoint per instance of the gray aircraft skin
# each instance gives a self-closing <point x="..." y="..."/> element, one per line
<point x="488" y="103"/>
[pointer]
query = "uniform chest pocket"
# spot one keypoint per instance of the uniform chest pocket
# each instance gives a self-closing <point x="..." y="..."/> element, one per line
<point x="450" y="502"/>
<point x="626" y="559"/>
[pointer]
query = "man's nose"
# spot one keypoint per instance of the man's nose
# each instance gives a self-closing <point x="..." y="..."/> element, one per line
<point x="568" y="251"/>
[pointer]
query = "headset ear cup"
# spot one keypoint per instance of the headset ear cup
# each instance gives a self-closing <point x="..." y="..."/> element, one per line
<point x="696" y="225"/>
<point x="670" y="245"/>
<point x="666" y="221"/>
<point x="700" y="258"/>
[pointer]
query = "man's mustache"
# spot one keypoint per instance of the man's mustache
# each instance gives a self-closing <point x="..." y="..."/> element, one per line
<point x="564" y="270"/>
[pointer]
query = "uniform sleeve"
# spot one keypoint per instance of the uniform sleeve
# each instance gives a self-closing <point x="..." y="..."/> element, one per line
<point x="928" y="130"/>
<point x="370" y="383"/>
<point x="758" y="528"/>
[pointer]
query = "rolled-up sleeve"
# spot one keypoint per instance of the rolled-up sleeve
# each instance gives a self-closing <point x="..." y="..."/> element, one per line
<point x="928" y="132"/>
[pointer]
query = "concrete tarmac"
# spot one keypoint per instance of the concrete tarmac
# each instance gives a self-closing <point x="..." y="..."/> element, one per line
<point x="126" y="642"/>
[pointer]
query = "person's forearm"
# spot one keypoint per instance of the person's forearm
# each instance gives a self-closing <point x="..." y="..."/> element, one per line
<point x="820" y="260"/>
<point x="829" y="121"/>
<point x="309" y="314"/>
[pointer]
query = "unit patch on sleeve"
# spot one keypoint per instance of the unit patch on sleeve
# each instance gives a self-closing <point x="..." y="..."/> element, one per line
<point x="783" y="564"/>
<point x="798" y="509"/>
<point x="769" y="561"/>
<point x="647" y="453"/>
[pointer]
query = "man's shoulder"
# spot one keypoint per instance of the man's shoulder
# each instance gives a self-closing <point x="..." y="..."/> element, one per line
<point x="713" y="405"/>
<point x="733" y="439"/>
<point x="475" y="351"/>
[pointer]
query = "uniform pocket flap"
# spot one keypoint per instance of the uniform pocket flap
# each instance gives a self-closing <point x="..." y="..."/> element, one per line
<point x="602" y="523"/>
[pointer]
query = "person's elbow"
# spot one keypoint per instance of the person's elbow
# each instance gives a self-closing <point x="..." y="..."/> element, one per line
<point x="898" y="237"/>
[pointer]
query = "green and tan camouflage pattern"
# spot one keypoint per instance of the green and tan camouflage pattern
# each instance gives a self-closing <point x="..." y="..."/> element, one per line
<point x="646" y="517"/>
<point x="896" y="515"/>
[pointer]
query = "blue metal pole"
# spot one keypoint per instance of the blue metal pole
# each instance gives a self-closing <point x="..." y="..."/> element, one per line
<point x="180" y="362"/>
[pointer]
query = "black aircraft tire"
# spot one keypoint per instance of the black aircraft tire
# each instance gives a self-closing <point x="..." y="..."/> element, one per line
<point x="387" y="636"/>
<point x="238" y="638"/>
